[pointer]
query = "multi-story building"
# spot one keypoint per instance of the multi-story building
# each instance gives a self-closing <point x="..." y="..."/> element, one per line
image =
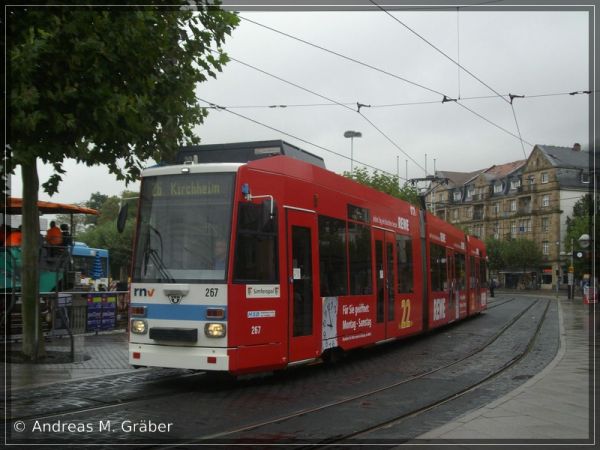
<point x="528" y="199"/>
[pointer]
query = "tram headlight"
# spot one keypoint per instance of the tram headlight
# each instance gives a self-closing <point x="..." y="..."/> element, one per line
<point x="139" y="326"/>
<point x="215" y="330"/>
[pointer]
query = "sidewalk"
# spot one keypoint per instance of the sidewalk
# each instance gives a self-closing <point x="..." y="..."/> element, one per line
<point x="95" y="355"/>
<point x="555" y="404"/>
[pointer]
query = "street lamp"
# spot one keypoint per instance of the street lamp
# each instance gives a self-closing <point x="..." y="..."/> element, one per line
<point x="352" y="134"/>
<point x="584" y="240"/>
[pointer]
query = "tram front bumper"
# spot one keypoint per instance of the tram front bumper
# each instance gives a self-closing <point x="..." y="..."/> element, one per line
<point x="179" y="357"/>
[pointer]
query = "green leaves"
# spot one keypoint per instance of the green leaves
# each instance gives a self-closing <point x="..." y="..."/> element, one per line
<point x="385" y="183"/>
<point x="518" y="254"/>
<point x="107" y="84"/>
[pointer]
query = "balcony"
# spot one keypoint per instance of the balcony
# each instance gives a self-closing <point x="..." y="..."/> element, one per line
<point x="529" y="188"/>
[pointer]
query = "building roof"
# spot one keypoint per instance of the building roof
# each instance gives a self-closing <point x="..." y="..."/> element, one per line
<point x="457" y="178"/>
<point x="502" y="170"/>
<point x="565" y="157"/>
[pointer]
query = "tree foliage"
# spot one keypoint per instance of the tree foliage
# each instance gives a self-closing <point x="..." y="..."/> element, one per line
<point x="104" y="233"/>
<point x="517" y="254"/>
<point x="389" y="184"/>
<point x="494" y="253"/>
<point x="112" y="86"/>
<point x="522" y="254"/>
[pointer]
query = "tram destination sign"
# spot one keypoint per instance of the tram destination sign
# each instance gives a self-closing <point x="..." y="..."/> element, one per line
<point x="193" y="185"/>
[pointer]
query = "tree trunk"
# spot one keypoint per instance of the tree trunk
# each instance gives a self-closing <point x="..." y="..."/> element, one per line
<point x="33" y="339"/>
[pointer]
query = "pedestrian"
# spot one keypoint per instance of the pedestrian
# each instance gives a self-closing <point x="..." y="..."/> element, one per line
<point x="54" y="236"/>
<point x="14" y="238"/>
<point x="67" y="238"/>
<point x="492" y="287"/>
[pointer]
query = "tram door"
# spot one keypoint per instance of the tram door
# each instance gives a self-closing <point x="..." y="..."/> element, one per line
<point x="384" y="275"/>
<point x="302" y="286"/>
<point x="475" y="285"/>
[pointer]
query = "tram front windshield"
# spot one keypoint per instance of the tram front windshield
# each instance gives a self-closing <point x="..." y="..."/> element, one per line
<point x="184" y="228"/>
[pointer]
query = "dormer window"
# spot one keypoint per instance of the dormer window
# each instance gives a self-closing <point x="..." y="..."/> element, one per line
<point x="585" y="176"/>
<point x="497" y="188"/>
<point x="514" y="184"/>
<point x="470" y="191"/>
<point x="456" y="196"/>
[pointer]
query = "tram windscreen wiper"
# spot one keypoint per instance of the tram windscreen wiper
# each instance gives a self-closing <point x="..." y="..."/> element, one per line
<point x="152" y="254"/>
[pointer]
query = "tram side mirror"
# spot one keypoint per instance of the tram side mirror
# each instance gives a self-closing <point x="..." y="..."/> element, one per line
<point x="122" y="219"/>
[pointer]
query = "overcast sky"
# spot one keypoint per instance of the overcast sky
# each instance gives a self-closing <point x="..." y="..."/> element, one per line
<point x="518" y="52"/>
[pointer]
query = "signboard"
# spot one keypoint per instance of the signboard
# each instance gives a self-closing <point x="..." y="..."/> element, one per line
<point x="101" y="312"/>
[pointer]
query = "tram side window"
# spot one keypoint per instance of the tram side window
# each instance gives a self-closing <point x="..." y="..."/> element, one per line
<point x="437" y="261"/>
<point x="332" y="257"/>
<point x="256" y="246"/>
<point x="359" y="248"/>
<point x="461" y="272"/>
<point x="405" y="264"/>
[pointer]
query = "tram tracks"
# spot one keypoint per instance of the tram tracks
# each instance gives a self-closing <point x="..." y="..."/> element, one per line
<point x="283" y="418"/>
<point x="262" y="428"/>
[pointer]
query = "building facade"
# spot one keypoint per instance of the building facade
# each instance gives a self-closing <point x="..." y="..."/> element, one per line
<point x="528" y="199"/>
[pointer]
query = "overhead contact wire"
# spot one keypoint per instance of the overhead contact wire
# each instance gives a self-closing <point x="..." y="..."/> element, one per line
<point x="330" y="100"/>
<point x="220" y="108"/>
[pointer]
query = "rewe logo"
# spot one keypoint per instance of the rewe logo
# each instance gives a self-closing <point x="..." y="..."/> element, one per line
<point x="143" y="292"/>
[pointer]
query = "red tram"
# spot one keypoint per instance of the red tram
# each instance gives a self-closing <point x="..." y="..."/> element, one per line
<point x="259" y="265"/>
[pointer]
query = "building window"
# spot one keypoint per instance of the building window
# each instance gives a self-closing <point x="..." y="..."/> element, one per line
<point x="545" y="247"/>
<point x="545" y="201"/>
<point x="469" y="212"/>
<point x="470" y="191"/>
<point x="545" y="222"/>
<point x="513" y="228"/>
<point x="514" y="184"/>
<point x="544" y="177"/>
<point x="525" y="226"/>
<point x="513" y="205"/>
<point x="496" y="208"/>
<point x="455" y="214"/>
<point x="498" y="188"/>
<point x="531" y="179"/>
<point x="456" y="196"/>
<point x="585" y="177"/>
<point x="496" y="230"/>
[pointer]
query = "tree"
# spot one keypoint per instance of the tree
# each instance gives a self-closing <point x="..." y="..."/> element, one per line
<point x="389" y="184"/>
<point x="522" y="254"/>
<point x="494" y="249"/>
<point x="109" y="86"/>
<point x="104" y="234"/>
<point x="517" y="254"/>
